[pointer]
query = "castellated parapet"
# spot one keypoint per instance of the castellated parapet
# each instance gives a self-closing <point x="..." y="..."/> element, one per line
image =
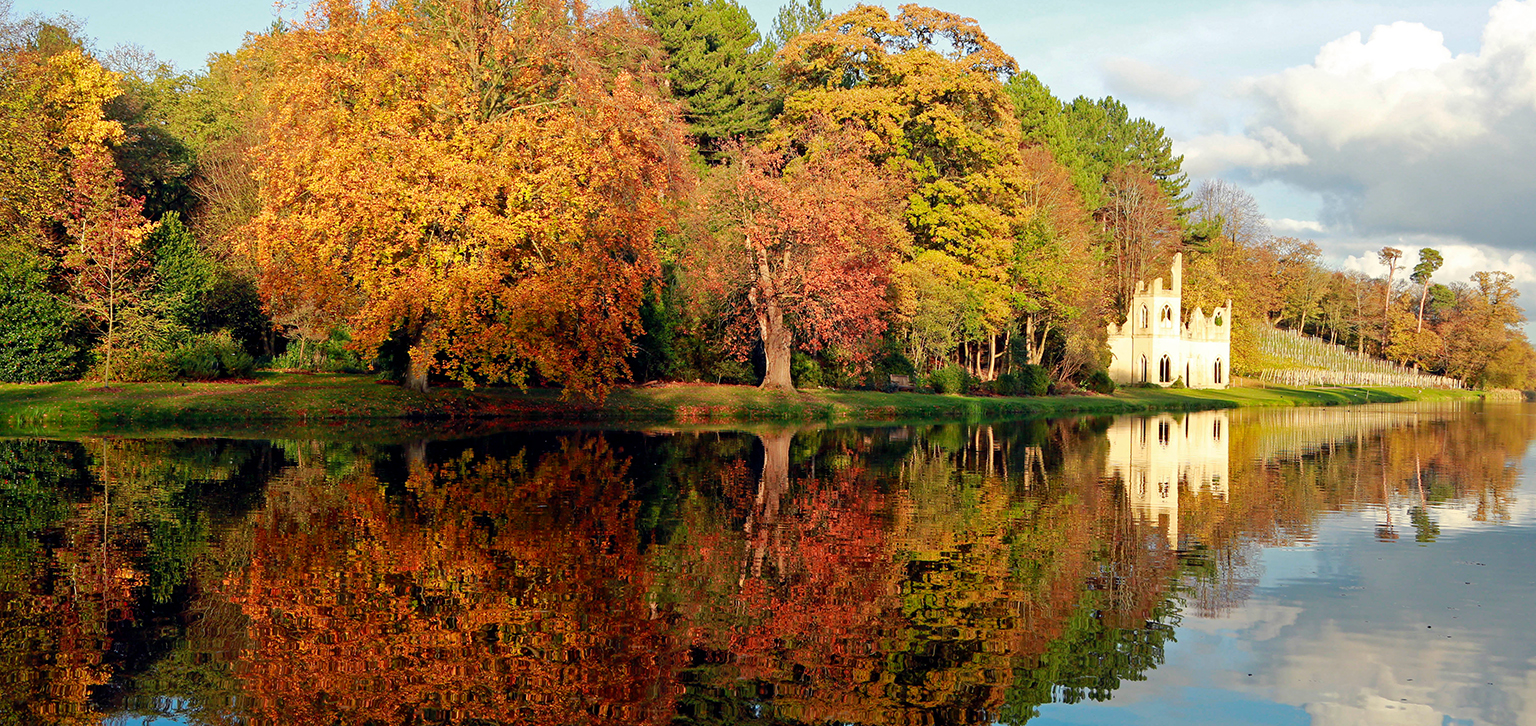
<point x="1156" y="345"/>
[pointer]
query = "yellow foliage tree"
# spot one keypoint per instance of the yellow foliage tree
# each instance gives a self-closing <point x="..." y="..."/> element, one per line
<point x="926" y="86"/>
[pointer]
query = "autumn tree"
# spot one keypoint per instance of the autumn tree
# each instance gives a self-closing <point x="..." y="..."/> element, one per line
<point x="1388" y="257"/>
<point x="1057" y="274"/>
<point x="1483" y="327"/>
<point x="1232" y="208"/>
<point x="109" y="268"/>
<point x="1301" y="278"/>
<point x="52" y="96"/>
<point x="926" y="85"/>
<point x="483" y="181"/>
<point x="1142" y="229"/>
<point x="800" y="240"/>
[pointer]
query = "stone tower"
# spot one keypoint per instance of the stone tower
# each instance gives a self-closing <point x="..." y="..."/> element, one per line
<point x="1156" y="345"/>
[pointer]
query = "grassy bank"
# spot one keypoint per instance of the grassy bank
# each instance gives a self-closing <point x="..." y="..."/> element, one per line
<point x="275" y="399"/>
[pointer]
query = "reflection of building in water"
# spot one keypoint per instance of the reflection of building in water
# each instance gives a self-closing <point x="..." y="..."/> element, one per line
<point x="1156" y="456"/>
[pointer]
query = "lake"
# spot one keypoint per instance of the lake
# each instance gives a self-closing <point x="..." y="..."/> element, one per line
<point x="1351" y="565"/>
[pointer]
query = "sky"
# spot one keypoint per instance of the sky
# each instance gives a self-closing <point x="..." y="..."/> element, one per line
<point x="1355" y="124"/>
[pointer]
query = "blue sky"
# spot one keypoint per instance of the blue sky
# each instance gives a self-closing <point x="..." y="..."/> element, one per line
<point x="1357" y="124"/>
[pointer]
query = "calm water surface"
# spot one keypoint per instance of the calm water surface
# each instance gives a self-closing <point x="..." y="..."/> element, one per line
<point x="1369" y="565"/>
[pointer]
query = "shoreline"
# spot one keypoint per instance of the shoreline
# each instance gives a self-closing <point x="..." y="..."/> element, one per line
<point x="327" y="400"/>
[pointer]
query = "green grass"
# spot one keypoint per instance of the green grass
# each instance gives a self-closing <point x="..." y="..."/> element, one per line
<point x="289" y="401"/>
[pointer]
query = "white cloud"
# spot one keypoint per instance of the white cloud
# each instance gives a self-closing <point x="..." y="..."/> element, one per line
<point x="1401" y="135"/>
<point x="1139" y="79"/>
<point x="1292" y="227"/>
<point x="1402" y="86"/>
<point x="1392" y="49"/>
<point x="1265" y="148"/>
<point x="1461" y="260"/>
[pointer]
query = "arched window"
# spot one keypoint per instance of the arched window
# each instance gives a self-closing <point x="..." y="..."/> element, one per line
<point x="1143" y="369"/>
<point x="1144" y="316"/>
<point x="1188" y="380"/>
<point x="1165" y="318"/>
<point x="1217" y="374"/>
<point x="1165" y="370"/>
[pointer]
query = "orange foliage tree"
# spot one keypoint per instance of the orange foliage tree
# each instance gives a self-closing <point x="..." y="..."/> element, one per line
<point x="454" y="601"/>
<point x="484" y="179"/>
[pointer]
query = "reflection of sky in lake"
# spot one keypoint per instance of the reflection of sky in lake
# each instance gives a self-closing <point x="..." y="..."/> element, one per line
<point x="1348" y="629"/>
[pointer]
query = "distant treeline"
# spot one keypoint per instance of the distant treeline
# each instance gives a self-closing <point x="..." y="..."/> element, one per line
<point x="539" y="193"/>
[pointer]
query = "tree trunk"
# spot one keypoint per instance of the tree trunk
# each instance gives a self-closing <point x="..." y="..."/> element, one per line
<point x="1422" y="297"/>
<point x="1386" y="310"/>
<point x="776" y="348"/>
<point x="111" y="331"/>
<point x="416" y="377"/>
<point x="771" y="489"/>
<point x="416" y="371"/>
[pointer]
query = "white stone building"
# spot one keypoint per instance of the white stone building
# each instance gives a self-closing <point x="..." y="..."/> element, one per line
<point x="1155" y="344"/>
<point x="1157" y="457"/>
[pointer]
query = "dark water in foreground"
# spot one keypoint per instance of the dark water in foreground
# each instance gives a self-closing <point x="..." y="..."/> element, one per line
<point x="1370" y="565"/>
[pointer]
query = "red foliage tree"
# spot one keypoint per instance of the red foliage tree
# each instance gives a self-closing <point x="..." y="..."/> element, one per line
<point x="798" y="242"/>
<point x="110" y="269"/>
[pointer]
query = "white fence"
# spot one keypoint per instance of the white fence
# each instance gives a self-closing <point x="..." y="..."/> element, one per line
<point x="1320" y="363"/>
<point x="1308" y="377"/>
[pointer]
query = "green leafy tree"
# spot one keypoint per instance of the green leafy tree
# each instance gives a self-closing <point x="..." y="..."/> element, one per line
<point x="1429" y="261"/>
<point x="40" y="337"/>
<point x="716" y="65"/>
<point x="201" y="294"/>
<point x="1093" y="138"/>
<point x="796" y="18"/>
<point x="157" y="164"/>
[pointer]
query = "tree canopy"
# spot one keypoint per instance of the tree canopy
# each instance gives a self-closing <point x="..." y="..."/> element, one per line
<point x="485" y="181"/>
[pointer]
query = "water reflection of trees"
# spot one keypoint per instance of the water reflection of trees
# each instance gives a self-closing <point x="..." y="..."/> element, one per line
<point x="945" y="575"/>
<point x="101" y="545"/>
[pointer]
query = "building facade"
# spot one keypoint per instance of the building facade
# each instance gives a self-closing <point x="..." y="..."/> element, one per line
<point x="1155" y="344"/>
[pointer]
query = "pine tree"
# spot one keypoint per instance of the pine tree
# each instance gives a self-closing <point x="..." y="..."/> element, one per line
<point x="717" y="66"/>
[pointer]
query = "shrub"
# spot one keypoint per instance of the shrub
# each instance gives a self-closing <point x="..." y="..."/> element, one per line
<point x="135" y="365"/>
<point x="1007" y="384"/>
<point x="39" y="334"/>
<point x="330" y="355"/>
<point x="1033" y="381"/>
<point x="805" y="371"/>
<point x="213" y="356"/>
<point x="1179" y="383"/>
<point x="949" y="379"/>
<point x="730" y="370"/>
<point x="1099" y="382"/>
<point x="207" y="357"/>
